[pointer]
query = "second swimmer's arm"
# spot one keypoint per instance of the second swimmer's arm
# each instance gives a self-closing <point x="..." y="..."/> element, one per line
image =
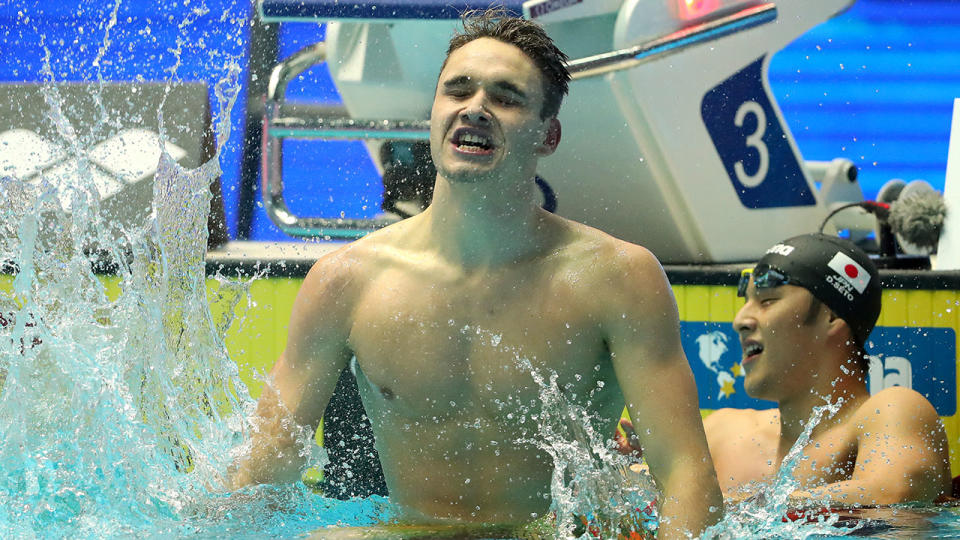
<point x="902" y="454"/>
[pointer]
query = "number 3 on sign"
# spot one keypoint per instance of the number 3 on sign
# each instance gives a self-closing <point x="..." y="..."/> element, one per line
<point x="754" y="140"/>
<point x="760" y="161"/>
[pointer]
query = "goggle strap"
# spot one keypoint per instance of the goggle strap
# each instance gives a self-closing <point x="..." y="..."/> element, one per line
<point x="744" y="282"/>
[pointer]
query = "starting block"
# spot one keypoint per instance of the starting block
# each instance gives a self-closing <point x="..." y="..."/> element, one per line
<point x="672" y="137"/>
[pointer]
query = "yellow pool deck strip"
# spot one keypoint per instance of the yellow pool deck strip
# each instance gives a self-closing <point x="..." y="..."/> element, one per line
<point x="258" y="333"/>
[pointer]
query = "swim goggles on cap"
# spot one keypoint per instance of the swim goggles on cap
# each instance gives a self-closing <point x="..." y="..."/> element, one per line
<point x="764" y="277"/>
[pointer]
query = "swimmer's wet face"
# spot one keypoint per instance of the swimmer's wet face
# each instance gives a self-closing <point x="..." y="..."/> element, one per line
<point x="811" y="302"/>
<point x="485" y="121"/>
<point x="781" y="328"/>
<point x="527" y="36"/>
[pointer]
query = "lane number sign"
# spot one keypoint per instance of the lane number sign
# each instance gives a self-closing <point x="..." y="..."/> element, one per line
<point x="752" y="144"/>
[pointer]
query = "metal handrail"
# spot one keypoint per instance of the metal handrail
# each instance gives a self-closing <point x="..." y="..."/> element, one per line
<point x="280" y="120"/>
<point x="279" y="124"/>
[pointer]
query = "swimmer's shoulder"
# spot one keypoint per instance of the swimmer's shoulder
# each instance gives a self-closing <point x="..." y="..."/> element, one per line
<point x="737" y="434"/>
<point x="361" y="256"/>
<point x="743" y="445"/>
<point x="331" y="277"/>
<point x="620" y="283"/>
<point x="896" y="405"/>
<point x="608" y="253"/>
<point x="729" y="428"/>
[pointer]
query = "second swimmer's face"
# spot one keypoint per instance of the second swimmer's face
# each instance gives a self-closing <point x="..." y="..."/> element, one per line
<point x="782" y="330"/>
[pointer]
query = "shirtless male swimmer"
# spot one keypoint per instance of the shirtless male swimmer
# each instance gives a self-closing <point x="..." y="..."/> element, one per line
<point x="438" y="308"/>
<point x="811" y="302"/>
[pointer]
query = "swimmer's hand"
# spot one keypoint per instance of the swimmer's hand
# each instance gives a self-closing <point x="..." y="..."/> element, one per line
<point x="626" y="440"/>
<point x="249" y="503"/>
<point x="754" y="494"/>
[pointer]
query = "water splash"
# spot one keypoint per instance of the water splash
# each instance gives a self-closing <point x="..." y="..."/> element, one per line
<point x="592" y="484"/>
<point x="596" y="494"/>
<point x="593" y="491"/>
<point x="120" y="407"/>
<point x="764" y="514"/>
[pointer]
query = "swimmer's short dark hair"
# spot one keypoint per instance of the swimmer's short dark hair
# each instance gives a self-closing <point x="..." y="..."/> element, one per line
<point x="527" y="36"/>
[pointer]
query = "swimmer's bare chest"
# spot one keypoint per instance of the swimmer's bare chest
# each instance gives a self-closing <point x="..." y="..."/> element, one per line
<point x="747" y="453"/>
<point x="829" y="457"/>
<point x="445" y="345"/>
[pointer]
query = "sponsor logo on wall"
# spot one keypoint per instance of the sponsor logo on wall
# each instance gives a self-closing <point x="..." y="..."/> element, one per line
<point x="123" y="159"/>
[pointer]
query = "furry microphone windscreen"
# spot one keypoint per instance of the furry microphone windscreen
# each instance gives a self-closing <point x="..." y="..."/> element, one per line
<point x="918" y="218"/>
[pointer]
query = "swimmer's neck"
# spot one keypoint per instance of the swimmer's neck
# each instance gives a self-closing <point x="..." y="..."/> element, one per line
<point x="484" y="225"/>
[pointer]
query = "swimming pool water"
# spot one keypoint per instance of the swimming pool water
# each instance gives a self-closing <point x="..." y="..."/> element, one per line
<point x="121" y="409"/>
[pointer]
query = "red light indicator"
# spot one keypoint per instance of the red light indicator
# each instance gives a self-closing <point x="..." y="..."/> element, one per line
<point x="694" y="9"/>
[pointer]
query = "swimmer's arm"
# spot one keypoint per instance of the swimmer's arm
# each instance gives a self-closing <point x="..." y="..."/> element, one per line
<point x="644" y="340"/>
<point x="301" y="382"/>
<point x="902" y="454"/>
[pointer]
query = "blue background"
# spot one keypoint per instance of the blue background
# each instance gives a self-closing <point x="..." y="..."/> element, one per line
<point x="875" y="85"/>
<point x="931" y="351"/>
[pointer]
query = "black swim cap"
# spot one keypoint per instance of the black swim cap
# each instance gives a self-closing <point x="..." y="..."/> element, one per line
<point x="836" y="272"/>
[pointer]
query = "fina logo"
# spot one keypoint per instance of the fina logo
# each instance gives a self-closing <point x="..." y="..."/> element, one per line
<point x="892" y="371"/>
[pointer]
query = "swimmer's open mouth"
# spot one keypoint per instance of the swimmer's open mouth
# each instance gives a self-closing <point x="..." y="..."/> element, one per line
<point x="751" y="349"/>
<point x="472" y="141"/>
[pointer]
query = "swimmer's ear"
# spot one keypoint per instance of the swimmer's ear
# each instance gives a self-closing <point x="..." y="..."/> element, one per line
<point x="551" y="138"/>
<point x="836" y="323"/>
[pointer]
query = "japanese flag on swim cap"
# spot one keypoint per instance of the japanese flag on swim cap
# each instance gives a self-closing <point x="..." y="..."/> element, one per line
<point x="836" y="272"/>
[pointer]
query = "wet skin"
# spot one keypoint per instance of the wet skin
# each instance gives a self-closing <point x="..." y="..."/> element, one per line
<point x="881" y="449"/>
<point x="440" y="309"/>
<point x="776" y="320"/>
<point x="440" y="352"/>
<point x="489" y="91"/>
